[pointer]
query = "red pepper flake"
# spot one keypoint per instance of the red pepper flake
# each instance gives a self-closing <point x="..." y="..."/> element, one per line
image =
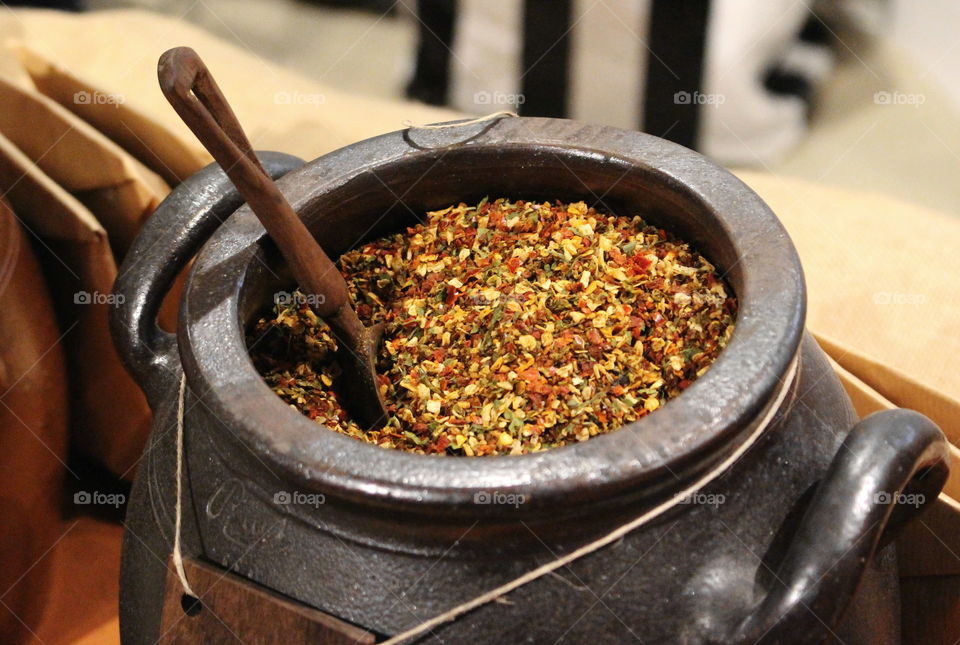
<point x="511" y="327"/>
<point x="452" y="295"/>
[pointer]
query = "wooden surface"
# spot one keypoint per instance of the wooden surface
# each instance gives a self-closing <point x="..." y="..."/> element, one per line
<point x="930" y="610"/>
<point x="235" y="610"/>
<point x="930" y="545"/>
<point x="33" y="431"/>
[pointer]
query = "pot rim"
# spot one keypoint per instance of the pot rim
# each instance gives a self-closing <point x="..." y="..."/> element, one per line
<point x="646" y="459"/>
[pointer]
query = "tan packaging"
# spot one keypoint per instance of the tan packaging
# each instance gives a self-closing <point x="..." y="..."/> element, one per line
<point x="109" y="415"/>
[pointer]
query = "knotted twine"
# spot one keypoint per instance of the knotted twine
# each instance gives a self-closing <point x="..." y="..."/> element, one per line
<point x="458" y="124"/>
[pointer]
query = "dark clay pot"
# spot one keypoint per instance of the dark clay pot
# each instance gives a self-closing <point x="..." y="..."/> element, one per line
<point x="788" y="541"/>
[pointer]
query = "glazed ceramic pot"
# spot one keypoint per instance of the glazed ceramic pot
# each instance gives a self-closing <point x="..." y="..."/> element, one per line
<point x="769" y="509"/>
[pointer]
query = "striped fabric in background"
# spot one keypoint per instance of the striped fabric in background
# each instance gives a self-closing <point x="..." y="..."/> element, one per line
<point x="733" y="79"/>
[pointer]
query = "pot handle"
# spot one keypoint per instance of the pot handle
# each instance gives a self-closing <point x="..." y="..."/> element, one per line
<point x="890" y="466"/>
<point x="168" y="240"/>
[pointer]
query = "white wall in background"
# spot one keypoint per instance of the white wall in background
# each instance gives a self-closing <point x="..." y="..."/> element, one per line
<point x="929" y="32"/>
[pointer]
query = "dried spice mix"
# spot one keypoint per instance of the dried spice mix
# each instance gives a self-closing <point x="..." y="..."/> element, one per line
<point x="511" y="327"/>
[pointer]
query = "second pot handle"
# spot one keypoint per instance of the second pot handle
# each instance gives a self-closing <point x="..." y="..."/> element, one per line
<point x="891" y="465"/>
<point x="170" y="238"/>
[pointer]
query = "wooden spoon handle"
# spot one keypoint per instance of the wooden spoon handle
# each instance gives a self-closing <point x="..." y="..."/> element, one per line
<point x="194" y="94"/>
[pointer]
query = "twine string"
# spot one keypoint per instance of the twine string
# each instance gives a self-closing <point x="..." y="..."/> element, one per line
<point x="614" y="535"/>
<point x="178" y="507"/>
<point x="458" y="124"/>
<point x="498" y="593"/>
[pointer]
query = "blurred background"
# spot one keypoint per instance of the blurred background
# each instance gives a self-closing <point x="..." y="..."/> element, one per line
<point x="882" y="97"/>
<point x="844" y="115"/>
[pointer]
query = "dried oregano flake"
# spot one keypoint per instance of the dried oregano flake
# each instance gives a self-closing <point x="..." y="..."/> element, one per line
<point x="511" y="327"/>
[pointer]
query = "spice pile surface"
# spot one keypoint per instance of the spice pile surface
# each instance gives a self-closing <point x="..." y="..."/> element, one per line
<point x="511" y="327"/>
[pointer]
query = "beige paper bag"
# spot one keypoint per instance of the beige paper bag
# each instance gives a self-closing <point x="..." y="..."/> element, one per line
<point x="109" y="416"/>
<point x="117" y="188"/>
<point x="12" y="69"/>
<point x="884" y="303"/>
<point x="155" y="146"/>
<point x="33" y="432"/>
<point x="279" y="109"/>
<point x="882" y="284"/>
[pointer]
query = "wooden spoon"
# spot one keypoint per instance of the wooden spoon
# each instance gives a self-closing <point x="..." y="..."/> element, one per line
<point x="193" y="93"/>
